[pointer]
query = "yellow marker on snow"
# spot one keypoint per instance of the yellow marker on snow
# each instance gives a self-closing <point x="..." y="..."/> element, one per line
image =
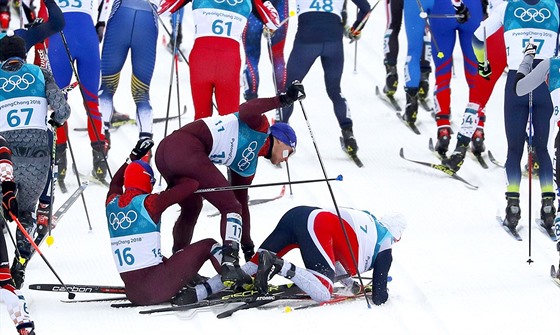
<point x="287" y="309"/>
<point x="50" y="240"/>
<point x="292" y="13"/>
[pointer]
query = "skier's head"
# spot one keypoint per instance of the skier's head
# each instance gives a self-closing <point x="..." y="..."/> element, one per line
<point x="395" y="224"/>
<point x="12" y="45"/>
<point x="287" y="136"/>
<point x="139" y="175"/>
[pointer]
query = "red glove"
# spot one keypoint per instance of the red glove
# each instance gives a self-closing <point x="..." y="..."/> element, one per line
<point x="171" y="5"/>
<point x="268" y="14"/>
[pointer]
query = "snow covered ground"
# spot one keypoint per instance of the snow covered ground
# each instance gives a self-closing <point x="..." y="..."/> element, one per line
<point x="455" y="270"/>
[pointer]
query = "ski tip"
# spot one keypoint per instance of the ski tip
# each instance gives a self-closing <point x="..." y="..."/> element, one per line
<point x="339" y="177"/>
<point x="401" y="152"/>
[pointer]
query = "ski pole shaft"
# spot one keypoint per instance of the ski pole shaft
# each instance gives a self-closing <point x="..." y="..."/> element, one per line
<point x="242" y="187"/>
<point x="28" y="237"/>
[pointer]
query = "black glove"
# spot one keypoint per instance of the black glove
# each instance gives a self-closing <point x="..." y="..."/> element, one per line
<point x="53" y="122"/>
<point x="530" y="49"/>
<point x="295" y="92"/>
<point x="9" y="201"/>
<point x="100" y="29"/>
<point x="248" y="251"/>
<point x="141" y="149"/>
<point x="463" y="13"/>
<point x="484" y="70"/>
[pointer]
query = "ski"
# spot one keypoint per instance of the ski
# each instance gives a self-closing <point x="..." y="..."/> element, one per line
<point x="480" y="160"/>
<point x="253" y="202"/>
<point x="225" y="297"/>
<point x="335" y="300"/>
<point x="93" y="300"/>
<point x="389" y="100"/>
<point x="555" y="275"/>
<point x="494" y="160"/>
<point x="117" y="124"/>
<point x="78" y="288"/>
<point x="442" y="168"/>
<point x="94" y="180"/>
<point x="512" y="231"/>
<point x="410" y="126"/>
<point x="59" y="213"/>
<point x="353" y="156"/>
<point x="547" y="231"/>
<point x="425" y="105"/>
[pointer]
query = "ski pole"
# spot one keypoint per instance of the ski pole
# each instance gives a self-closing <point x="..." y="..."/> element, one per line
<point x="424" y="16"/>
<point x="242" y="187"/>
<point x="530" y="162"/>
<point x="16" y="250"/>
<point x="354" y="262"/>
<point x="22" y="229"/>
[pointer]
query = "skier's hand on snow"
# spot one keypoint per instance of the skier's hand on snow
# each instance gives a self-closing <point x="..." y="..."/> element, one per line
<point x="295" y="92"/>
<point x="9" y="201"/>
<point x="100" y="29"/>
<point x="484" y="70"/>
<point x="141" y="149"/>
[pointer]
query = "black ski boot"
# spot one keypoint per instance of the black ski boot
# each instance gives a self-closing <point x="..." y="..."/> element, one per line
<point x="61" y="165"/>
<point x="424" y="87"/>
<point x="186" y="296"/>
<point x="455" y="161"/>
<point x="548" y="211"/>
<point x="391" y="80"/>
<point x="513" y="211"/>
<point x="232" y="275"/>
<point x="411" y="109"/>
<point x="350" y="144"/>
<point x="269" y="266"/>
<point x="478" y="146"/>
<point x="18" y="271"/>
<point x="443" y="139"/>
<point x="99" y="161"/>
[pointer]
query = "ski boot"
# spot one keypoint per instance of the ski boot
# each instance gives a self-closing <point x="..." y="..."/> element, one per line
<point x="232" y="275"/>
<point x="411" y="109"/>
<point x="548" y="212"/>
<point x="391" y="80"/>
<point x="62" y="164"/>
<point x="513" y="211"/>
<point x="478" y="146"/>
<point x="455" y="161"/>
<point x="99" y="161"/>
<point x="424" y="87"/>
<point x="186" y="296"/>
<point x="350" y="144"/>
<point x="26" y="328"/>
<point x="443" y="139"/>
<point x="18" y="271"/>
<point x="269" y="266"/>
<point x="43" y="218"/>
<point x="117" y="117"/>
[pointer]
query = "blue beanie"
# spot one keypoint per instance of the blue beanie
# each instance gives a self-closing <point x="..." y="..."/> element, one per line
<point x="284" y="133"/>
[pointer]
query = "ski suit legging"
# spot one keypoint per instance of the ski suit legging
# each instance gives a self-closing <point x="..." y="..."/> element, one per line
<point x="516" y="115"/>
<point x="415" y="26"/>
<point x="83" y="45"/>
<point x="252" y="43"/>
<point x="133" y="25"/>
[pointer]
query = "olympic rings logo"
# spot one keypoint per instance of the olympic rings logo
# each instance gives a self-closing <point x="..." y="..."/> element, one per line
<point x="247" y="156"/>
<point x="537" y="15"/>
<point x="230" y="2"/>
<point x="15" y="81"/>
<point x="122" y="220"/>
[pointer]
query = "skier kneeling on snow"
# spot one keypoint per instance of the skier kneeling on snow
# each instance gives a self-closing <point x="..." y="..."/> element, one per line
<point x="134" y="221"/>
<point x="318" y="234"/>
<point x="12" y="297"/>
